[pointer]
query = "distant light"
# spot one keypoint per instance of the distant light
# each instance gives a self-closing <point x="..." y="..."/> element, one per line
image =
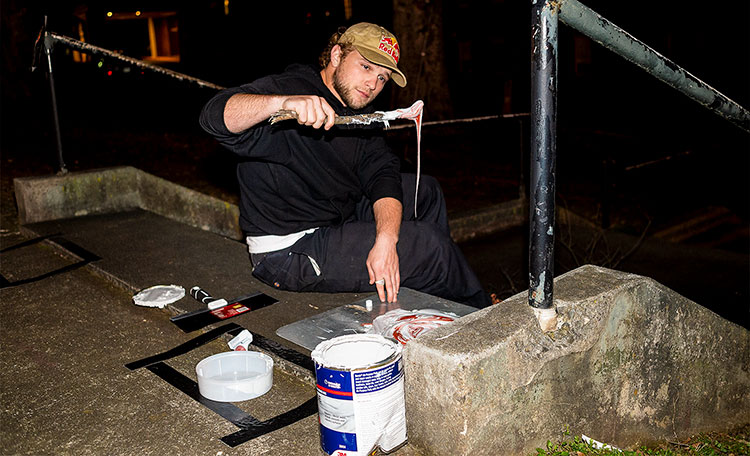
<point x="328" y="13"/>
<point x="100" y="64"/>
<point x="137" y="13"/>
<point x="109" y="73"/>
<point x="109" y="13"/>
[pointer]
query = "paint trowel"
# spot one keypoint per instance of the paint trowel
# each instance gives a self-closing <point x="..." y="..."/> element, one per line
<point x="218" y="309"/>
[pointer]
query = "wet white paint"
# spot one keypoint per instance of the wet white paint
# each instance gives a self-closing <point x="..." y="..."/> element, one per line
<point x="354" y="352"/>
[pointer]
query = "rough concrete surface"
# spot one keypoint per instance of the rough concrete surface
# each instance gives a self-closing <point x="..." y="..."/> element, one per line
<point x="67" y="333"/>
<point x="65" y="389"/>
<point x="111" y="190"/>
<point x="631" y="362"/>
<point x="76" y="194"/>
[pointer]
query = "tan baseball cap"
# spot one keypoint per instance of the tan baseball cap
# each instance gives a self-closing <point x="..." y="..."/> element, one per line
<point x="377" y="45"/>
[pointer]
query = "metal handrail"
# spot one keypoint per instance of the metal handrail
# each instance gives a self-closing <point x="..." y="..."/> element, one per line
<point x="599" y="29"/>
<point x="545" y="15"/>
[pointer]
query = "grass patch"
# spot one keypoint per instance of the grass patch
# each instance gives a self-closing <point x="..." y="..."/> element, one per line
<point x="735" y="443"/>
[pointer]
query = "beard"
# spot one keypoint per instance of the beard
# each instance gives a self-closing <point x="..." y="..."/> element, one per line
<point x="345" y="92"/>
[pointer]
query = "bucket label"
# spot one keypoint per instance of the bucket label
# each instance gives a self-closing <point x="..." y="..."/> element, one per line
<point x="361" y="410"/>
<point x="334" y="383"/>
<point x="376" y="380"/>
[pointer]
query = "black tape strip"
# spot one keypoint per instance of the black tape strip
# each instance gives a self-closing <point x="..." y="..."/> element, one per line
<point x="293" y="356"/>
<point x="285" y="419"/>
<point x="192" y="344"/>
<point x="198" y="319"/>
<point x="226" y="410"/>
<point x="250" y="427"/>
<point x="259" y="341"/>
<point x="64" y="269"/>
<point x="28" y="243"/>
<point x="73" y="248"/>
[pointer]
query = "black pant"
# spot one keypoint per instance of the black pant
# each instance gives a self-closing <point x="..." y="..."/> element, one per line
<point x="429" y="260"/>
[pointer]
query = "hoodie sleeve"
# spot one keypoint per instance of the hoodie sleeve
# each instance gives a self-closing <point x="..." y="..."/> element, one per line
<point x="212" y="116"/>
<point x="379" y="171"/>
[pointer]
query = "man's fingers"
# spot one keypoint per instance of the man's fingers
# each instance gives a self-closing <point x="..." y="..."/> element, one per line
<point x="397" y="285"/>
<point x="330" y="115"/>
<point x="380" y="287"/>
<point x="387" y="289"/>
<point x="391" y="288"/>
<point x="320" y="114"/>
<point x="311" y="110"/>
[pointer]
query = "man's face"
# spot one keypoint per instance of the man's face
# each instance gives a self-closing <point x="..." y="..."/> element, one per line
<point x="358" y="81"/>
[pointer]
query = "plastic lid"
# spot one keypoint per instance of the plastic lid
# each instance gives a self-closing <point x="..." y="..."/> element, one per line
<point x="159" y="295"/>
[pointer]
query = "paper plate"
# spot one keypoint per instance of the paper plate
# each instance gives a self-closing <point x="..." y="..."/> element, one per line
<point x="159" y="295"/>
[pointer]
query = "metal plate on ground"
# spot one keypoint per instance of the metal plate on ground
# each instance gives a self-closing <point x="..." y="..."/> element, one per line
<point x="353" y="318"/>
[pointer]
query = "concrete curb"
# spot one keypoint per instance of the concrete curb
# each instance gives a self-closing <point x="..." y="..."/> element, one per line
<point x="117" y="189"/>
<point x="632" y="362"/>
<point x="488" y="220"/>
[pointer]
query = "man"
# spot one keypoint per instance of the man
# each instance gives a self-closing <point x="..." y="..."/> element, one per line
<point x="323" y="206"/>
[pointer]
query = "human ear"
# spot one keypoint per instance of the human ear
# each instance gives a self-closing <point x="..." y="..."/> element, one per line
<point x="336" y="55"/>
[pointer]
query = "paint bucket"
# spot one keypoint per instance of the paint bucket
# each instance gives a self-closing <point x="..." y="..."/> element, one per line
<point x="360" y="384"/>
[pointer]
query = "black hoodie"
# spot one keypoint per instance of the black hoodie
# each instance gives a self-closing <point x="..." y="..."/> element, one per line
<point x="294" y="177"/>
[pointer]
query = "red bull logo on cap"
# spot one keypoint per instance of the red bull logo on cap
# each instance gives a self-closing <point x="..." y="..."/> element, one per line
<point x="389" y="45"/>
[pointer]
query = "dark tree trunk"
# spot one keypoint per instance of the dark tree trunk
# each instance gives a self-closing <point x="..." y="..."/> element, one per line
<point x="418" y="25"/>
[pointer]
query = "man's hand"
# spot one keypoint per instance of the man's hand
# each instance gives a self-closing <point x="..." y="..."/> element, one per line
<point x="311" y="110"/>
<point x="382" y="265"/>
<point x="382" y="262"/>
<point x="245" y="110"/>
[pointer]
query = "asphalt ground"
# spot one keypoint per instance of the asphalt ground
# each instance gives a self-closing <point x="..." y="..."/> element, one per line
<point x="65" y="387"/>
<point x="66" y="390"/>
<point x="71" y="327"/>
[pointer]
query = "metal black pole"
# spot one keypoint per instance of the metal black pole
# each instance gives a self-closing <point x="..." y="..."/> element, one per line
<point x="48" y="44"/>
<point x="543" y="152"/>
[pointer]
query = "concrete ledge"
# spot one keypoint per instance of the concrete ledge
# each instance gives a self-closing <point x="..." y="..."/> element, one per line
<point x="631" y="362"/>
<point x="121" y="189"/>
<point x="488" y="220"/>
<point x="76" y="194"/>
<point x="125" y="188"/>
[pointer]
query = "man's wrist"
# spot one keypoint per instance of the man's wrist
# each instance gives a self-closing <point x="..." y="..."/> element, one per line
<point x="390" y="238"/>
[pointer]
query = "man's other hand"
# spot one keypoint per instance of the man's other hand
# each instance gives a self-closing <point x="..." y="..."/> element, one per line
<point x="382" y="266"/>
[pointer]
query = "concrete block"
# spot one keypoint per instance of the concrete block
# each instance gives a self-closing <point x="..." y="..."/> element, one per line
<point x="119" y="189"/>
<point x="488" y="220"/>
<point x="76" y="194"/>
<point x="632" y="362"/>
<point x="188" y="206"/>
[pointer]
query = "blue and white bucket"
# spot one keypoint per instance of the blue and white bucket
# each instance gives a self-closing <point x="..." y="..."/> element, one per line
<point x="360" y="384"/>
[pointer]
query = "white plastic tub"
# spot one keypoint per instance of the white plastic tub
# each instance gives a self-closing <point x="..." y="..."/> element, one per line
<point x="235" y="376"/>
